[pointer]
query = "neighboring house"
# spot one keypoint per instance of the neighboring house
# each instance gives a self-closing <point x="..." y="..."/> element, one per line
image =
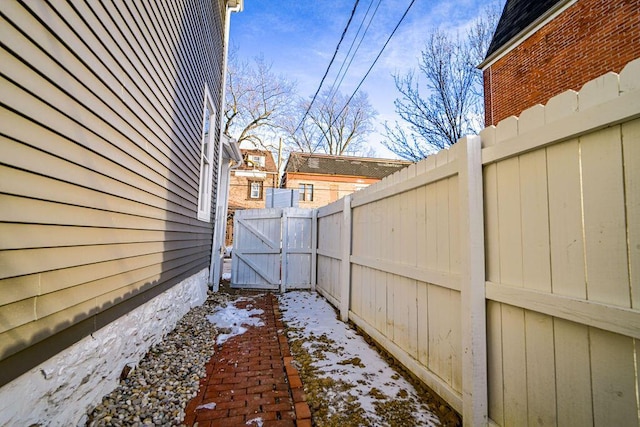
<point x="544" y="47"/>
<point x="110" y="161"/>
<point x="249" y="184"/>
<point x="322" y="179"/>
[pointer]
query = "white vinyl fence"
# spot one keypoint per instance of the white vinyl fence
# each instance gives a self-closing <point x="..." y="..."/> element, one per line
<point x="549" y="205"/>
<point x="274" y="249"/>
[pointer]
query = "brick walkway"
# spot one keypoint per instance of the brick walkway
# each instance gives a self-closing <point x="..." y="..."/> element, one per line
<point x="250" y="380"/>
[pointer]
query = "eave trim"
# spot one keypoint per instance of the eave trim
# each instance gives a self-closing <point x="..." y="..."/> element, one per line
<point x="523" y="35"/>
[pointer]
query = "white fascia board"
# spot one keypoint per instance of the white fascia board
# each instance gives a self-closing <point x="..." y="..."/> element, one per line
<point x="231" y="150"/>
<point x="523" y="35"/>
<point x="251" y="174"/>
<point x="235" y="5"/>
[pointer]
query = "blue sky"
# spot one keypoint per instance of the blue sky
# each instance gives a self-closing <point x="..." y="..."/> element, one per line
<point x="299" y="38"/>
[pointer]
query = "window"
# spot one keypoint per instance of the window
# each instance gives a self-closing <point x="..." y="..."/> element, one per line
<point x="306" y="192"/>
<point x="206" y="158"/>
<point x="257" y="161"/>
<point x="255" y="189"/>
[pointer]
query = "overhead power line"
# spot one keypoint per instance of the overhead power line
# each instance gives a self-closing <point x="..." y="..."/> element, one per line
<point x="374" y="62"/>
<point x="345" y="66"/>
<point x="344" y="32"/>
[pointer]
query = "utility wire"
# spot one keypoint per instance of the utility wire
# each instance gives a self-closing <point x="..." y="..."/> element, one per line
<point x="344" y="32"/>
<point x="374" y="63"/>
<point x="369" y="70"/>
<point x="358" y="47"/>
<point x="336" y="84"/>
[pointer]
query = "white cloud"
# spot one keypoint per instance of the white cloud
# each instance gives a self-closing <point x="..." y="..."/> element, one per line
<point x="300" y="39"/>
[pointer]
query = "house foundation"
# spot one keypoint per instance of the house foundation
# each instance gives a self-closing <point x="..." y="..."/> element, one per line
<point x="60" y="390"/>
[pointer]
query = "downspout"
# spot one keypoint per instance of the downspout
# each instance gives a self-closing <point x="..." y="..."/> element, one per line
<point x="217" y="251"/>
<point x="237" y="7"/>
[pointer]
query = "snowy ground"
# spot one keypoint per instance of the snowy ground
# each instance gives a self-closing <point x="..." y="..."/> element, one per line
<point x="231" y="321"/>
<point x="347" y="382"/>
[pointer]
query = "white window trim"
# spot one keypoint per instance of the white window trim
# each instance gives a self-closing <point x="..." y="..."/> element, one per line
<point x="205" y="181"/>
<point x="303" y="194"/>
<point x="257" y="160"/>
<point x="258" y="185"/>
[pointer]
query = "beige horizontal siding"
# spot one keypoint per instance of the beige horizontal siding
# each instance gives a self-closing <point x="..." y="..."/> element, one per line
<point x="64" y="117"/>
<point x="25" y="158"/>
<point x="19" y="182"/>
<point x="21" y="261"/>
<point x="100" y="134"/>
<point x="103" y="61"/>
<point x="26" y="236"/>
<point x="52" y="302"/>
<point x="111" y="161"/>
<point x="26" y="210"/>
<point x="64" y="308"/>
<point x="30" y="285"/>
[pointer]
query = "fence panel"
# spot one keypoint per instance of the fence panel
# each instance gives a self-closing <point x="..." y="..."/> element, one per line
<point x="298" y="254"/>
<point x="274" y="249"/>
<point x="256" y="249"/>
<point x="405" y="268"/>
<point x="507" y="278"/>
<point x="561" y="208"/>
<point x="329" y="230"/>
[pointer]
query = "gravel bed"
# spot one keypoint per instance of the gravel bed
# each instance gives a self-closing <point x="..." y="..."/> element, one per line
<point x="158" y="389"/>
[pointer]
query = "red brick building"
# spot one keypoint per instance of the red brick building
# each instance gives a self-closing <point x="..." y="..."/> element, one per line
<point x="544" y="47"/>
<point x="249" y="183"/>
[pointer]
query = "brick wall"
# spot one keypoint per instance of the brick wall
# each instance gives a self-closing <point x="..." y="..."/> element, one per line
<point x="239" y="191"/>
<point x="590" y="38"/>
<point x="239" y="197"/>
<point x="327" y="189"/>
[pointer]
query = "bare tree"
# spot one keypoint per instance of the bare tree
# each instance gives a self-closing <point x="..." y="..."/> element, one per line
<point x="332" y="125"/>
<point x="257" y="100"/>
<point x="454" y="103"/>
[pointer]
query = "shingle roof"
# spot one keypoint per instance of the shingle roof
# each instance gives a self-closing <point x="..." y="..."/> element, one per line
<point x="343" y="165"/>
<point x="516" y="16"/>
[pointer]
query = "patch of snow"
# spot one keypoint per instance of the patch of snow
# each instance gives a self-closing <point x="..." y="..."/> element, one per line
<point x="257" y="421"/>
<point x="234" y="319"/>
<point x="226" y="276"/>
<point x="313" y="317"/>
<point x="211" y="405"/>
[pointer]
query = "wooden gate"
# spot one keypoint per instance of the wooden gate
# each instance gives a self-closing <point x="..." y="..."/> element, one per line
<point x="274" y="249"/>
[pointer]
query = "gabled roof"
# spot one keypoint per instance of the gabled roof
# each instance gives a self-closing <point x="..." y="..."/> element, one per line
<point x="323" y="164"/>
<point x="516" y="16"/>
<point x="269" y="163"/>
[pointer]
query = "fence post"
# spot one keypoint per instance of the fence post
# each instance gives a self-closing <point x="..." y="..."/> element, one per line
<point x="474" y="335"/>
<point x="314" y="250"/>
<point x="284" y="241"/>
<point x="345" y="268"/>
